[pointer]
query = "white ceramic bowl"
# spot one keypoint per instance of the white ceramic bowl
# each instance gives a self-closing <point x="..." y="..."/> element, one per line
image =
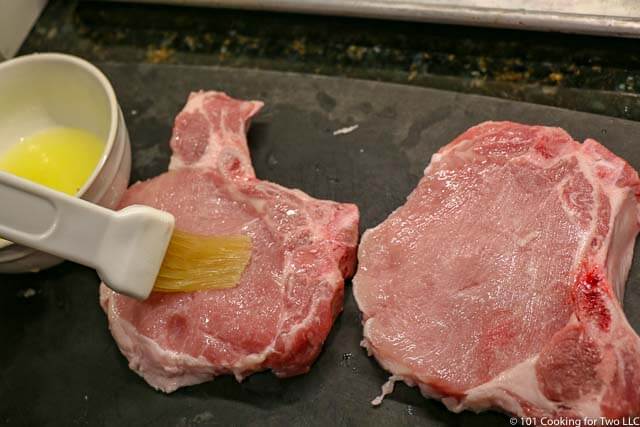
<point x="51" y="89"/>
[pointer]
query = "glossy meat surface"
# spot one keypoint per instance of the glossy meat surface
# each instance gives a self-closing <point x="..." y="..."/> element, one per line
<point x="497" y="284"/>
<point x="283" y="308"/>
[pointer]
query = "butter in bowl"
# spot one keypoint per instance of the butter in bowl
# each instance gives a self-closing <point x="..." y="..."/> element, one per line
<point x="61" y="127"/>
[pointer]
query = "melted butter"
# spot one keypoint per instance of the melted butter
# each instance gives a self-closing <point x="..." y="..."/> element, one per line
<point x="61" y="158"/>
<point x="196" y="263"/>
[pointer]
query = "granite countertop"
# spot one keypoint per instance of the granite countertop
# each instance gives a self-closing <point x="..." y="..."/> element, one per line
<point x="592" y="74"/>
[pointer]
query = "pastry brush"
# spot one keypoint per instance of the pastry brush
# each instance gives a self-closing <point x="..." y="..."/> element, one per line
<point x="135" y="250"/>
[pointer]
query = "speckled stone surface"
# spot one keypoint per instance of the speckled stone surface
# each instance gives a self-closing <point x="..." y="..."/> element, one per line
<point x="599" y="75"/>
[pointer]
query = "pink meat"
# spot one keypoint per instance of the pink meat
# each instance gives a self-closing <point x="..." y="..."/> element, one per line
<point x="292" y="290"/>
<point x="499" y="283"/>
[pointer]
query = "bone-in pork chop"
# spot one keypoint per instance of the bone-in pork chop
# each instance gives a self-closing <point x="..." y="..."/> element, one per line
<point x="499" y="283"/>
<point x="290" y="293"/>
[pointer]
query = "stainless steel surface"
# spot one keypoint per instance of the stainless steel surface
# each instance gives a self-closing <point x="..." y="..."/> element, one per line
<point x="602" y="17"/>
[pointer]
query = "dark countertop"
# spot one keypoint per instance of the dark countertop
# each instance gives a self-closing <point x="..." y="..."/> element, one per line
<point x="593" y="74"/>
<point x="576" y="72"/>
<point x="60" y="366"/>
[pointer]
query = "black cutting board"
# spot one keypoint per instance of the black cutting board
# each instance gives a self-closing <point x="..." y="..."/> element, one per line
<point x="59" y="364"/>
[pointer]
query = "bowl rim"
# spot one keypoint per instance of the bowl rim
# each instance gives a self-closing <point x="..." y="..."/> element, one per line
<point x="106" y="86"/>
<point x="35" y="58"/>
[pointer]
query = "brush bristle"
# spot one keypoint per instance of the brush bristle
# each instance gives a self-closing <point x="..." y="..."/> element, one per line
<point x="195" y="263"/>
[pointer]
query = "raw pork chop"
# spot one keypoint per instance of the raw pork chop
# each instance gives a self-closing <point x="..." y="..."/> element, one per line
<point x="499" y="283"/>
<point x="282" y="310"/>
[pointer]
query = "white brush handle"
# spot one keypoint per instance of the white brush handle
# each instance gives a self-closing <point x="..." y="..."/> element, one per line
<point x="126" y="247"/>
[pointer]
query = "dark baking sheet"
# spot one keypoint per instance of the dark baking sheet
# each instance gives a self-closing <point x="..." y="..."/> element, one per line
<point x="58" y="363"/>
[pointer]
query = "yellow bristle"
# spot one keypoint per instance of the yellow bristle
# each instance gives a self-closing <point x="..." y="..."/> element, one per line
<point x="195" y="263"/>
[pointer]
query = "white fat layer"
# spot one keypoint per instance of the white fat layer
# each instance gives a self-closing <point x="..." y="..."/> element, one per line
<point x="621" y="245"/>
<point x="506" y="391"/>
<point x="169" y="370"/>
<point x="163" y="369"/>
<point x="519" y="381"/>
<point x="387" y="388"/>
<point x="617" y="249"/>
